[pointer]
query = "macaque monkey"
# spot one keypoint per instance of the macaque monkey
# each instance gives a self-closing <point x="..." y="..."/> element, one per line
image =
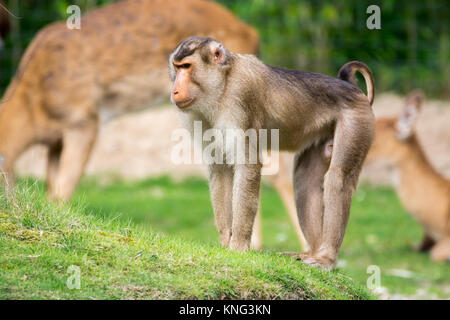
<point x="422" y="190"/>
<point x="70" y="81"/>
<point x="225" y="90"/>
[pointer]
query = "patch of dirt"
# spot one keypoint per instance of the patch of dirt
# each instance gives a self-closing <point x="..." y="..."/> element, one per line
<point x="139" y="145"/>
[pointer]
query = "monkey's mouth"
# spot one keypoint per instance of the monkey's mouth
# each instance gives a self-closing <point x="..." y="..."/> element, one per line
<point x="184" y="103"/>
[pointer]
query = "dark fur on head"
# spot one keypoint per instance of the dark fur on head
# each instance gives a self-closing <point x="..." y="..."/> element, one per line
<point x="189" y="46"/>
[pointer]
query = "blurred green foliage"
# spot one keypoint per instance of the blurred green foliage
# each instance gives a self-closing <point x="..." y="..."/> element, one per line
<point x="412" y="49"/>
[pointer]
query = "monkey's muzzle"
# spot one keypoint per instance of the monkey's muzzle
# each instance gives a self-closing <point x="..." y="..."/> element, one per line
<point x="184" y="103"/>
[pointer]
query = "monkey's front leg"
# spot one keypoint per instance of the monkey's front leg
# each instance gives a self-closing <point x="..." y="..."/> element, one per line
<point x="221" y="187"/>
<point x="246" y="184"/>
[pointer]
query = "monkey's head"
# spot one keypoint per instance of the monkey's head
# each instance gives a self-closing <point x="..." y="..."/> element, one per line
<point x="393" y="136"/>
<point x="198" y="69"/>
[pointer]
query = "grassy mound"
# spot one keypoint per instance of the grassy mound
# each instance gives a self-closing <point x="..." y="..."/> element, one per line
<point x="40" y="241"/>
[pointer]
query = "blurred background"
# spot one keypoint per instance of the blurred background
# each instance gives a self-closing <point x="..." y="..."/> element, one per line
<point x="130" y="174"/>
<point x="412" y="49"/>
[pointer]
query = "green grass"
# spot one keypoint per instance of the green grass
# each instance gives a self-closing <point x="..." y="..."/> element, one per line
<point x="380" y="232"/>
<point x="146" y="240"/>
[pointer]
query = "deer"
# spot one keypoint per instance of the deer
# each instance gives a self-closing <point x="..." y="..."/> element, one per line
<point x="422" y="190"/>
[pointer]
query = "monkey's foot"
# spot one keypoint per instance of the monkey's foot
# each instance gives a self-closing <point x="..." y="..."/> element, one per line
<point x="289" y="253"/>
<point x="323" y="263"/>
<point x="225" y="238"/>
<point x="239" y="245"/>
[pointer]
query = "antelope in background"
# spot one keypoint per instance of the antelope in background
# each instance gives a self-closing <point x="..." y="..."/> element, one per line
<point x="422" y="190"/>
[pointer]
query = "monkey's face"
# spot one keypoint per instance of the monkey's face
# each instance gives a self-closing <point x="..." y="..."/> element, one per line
<point x="198" y="71"/>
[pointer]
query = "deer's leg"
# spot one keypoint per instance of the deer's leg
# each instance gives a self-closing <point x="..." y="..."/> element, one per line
<point x="441" y="250"/>
<point x="427" y="244"/>
<point x="53" y="161"/>
<point x="282" y="181"/>
<point x="257" y="237"/>
<point x="14" y="140"/>
<point x="77" y="146"/>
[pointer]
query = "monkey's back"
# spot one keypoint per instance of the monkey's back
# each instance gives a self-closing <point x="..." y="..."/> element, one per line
<point x="324" y="89"/>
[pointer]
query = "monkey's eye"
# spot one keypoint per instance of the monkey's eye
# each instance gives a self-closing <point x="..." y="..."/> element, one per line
<point x="184" y="66"/>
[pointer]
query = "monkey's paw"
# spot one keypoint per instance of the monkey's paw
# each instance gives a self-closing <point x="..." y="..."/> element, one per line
<point x="289" y="253"/>
<point x="323" y="263"/>
<point x="239" y="245"/>
<point x="225" y="238"/>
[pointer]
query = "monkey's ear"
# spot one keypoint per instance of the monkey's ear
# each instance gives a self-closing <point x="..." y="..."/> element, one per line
<point x="408" y="118"/>
<point x="218" y="54"/>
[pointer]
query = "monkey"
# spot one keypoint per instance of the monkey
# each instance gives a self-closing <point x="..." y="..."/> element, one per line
<point x="226" y="90"/>
<point x="70" y="82"/>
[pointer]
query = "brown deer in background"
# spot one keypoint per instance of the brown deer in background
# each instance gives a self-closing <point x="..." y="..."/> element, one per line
<point x="422" y="190"/>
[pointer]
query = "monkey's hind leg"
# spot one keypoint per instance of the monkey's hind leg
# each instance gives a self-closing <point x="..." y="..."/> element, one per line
<point x="309" y="170"/>
<point x="352" y="138"/>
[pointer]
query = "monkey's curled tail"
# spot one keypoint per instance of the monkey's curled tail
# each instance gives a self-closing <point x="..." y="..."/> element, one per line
<point x="347" y="73"/>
